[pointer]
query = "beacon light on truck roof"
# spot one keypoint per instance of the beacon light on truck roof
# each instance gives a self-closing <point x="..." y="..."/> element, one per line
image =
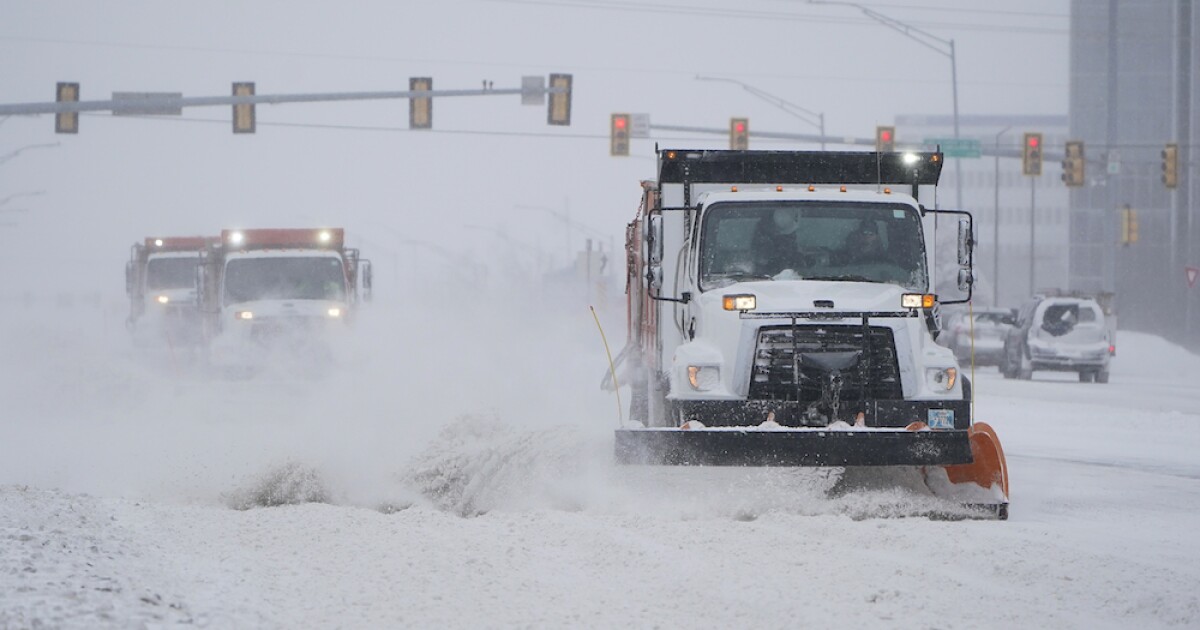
<point x="331" y="238"/>
<point x="177" y="243"/>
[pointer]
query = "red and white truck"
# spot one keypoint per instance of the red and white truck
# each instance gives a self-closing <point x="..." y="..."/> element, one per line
<point x="160" y="280"/>
<point x="266" y="291"/>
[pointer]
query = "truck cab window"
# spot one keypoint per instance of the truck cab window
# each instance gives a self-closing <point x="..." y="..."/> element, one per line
<point x="811" y="241"/>
<point x="249" y="279"/>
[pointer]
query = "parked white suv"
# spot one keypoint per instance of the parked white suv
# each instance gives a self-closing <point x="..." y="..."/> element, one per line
<point x="1059" y="333"/>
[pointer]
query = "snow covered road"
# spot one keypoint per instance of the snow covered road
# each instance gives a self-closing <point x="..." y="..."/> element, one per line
<point x="478" y="510"/>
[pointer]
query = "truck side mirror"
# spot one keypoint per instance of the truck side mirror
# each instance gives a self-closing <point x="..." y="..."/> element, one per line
<point x="129" y="278"/>
<point x="965" y="242"/>
<point x="654" y="276"/>
<point x="365" y="270"/>
<point x="654" y="239"/>
<point x="201" y="284"/>
<point x="966" y="278"/>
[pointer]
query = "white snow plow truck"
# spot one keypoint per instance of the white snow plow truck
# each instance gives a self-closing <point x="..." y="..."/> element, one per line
<point x="781" y="313"/>
<point x="271" y="292"/>
<point x="160" y="279"/>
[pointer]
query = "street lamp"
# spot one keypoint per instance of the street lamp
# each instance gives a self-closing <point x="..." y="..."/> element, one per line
<point x="933" y="42"/>
<point x="806" y="115"/>
<point x="12" y="154"/>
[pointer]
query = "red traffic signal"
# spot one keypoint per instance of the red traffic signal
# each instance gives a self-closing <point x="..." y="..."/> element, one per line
<point x="1031" y="155"/>
<point x="619" y="135"/>
<point x="885" y="138"/>
<point x="739" y="134"/>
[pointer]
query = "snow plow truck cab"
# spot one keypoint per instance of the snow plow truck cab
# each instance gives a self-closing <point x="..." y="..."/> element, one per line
<point x="824" y="359"/>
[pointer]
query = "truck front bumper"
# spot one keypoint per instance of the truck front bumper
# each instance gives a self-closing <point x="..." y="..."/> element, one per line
<point x="876" y="413"/>
<point x="791" y="447"/>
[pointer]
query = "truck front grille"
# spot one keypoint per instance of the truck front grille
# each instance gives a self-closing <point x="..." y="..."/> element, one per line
<point x="786" y="358"/>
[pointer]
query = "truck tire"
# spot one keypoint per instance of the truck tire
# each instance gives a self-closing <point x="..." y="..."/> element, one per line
<point x="1102" y="376"/>
<point x="1025" y="369"/>
<point x="1086" y="377"/>
<point x="639" y="404"/>
<point x="657" y="414"/>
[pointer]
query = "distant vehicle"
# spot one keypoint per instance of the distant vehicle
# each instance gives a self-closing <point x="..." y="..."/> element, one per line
<point x="1063" y="333"/>
<point x="989" y="326"/>
<point x="160" y="279"/>
<point x="268" y="290"/>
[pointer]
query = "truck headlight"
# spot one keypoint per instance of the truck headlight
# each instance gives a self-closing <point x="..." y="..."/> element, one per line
<point x="334" y="312"/>
<point x="243" y="315"/>
<point x="744" y="302"/>
<point x="917" y="300"/>
<point x="703" y="378"/>
<point x="162" y="299"/>
<point x="941" y="379"/>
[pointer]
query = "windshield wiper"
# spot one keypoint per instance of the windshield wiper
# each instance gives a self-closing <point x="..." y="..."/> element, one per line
<point x="739" y="276"/>
<point x="843" y="278"/>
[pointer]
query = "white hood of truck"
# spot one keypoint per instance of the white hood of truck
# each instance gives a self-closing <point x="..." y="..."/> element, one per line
<point x="785" y="296"/>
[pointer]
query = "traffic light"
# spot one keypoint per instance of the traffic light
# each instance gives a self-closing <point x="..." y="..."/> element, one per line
<point x="66" y="122"/>
<point x="244" y="119"/>
<point x="1170" y="165"/>
<point x="619" y="136"/>
<point x="1031" y="155"/>
<point x="885" y="138"/>
<point x="420" y="108"/>
<point x="1129" y="226"/>
<point x="739" y="134"/>
<point x="1073" y="164"/>
<point x="560" y="103"/>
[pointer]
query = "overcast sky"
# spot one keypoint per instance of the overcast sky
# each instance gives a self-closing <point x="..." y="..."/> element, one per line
<point x="401" y="195"/>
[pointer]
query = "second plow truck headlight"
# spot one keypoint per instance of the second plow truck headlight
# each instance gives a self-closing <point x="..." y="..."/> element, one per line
<point x="941" y="379"/>
<point x="704" y="378"/>
<point x="781" y="312"/>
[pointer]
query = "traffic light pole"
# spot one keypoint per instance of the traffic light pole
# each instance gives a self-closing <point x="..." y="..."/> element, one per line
<point x="1032" y="237"/>
<point x="67" y="104"/>
<point x="996" y="226"/>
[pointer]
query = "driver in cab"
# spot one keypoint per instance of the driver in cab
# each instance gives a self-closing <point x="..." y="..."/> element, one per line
<point x="777" y="246"/>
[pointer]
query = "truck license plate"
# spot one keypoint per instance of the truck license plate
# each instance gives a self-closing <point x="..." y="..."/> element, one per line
<point x="941" y="419"/>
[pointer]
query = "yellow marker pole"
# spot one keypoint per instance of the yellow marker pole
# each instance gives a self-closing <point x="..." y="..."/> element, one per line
<point x="612" y="369"/>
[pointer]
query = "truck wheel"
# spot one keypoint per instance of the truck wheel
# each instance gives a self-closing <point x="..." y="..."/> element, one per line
<point x="1102" y="376"/>
<point x="1086" y="377"/>
<point x="1025" y="371"/>
<point x="639" y="404"/>
<point x="657" y="414"/>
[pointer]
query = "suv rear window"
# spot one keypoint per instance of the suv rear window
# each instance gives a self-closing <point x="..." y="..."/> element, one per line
<point x="1061" y="318"/>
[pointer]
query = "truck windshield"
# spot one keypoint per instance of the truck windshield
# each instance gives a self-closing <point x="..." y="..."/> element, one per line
<point x="171" y="273"/>
<point x="812" y="240"/>
<point x="284" y="278"/>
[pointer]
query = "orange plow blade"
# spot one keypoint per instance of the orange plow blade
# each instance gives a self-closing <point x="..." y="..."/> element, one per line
<point x="989" y="467"/>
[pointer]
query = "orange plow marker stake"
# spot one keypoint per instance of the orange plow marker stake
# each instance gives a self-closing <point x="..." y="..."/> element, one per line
<point x="989" y="467"/>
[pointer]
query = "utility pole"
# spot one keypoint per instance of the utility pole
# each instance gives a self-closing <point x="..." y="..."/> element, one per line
<point x="996" y="226"/>
<point x="1185" y="227"/>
